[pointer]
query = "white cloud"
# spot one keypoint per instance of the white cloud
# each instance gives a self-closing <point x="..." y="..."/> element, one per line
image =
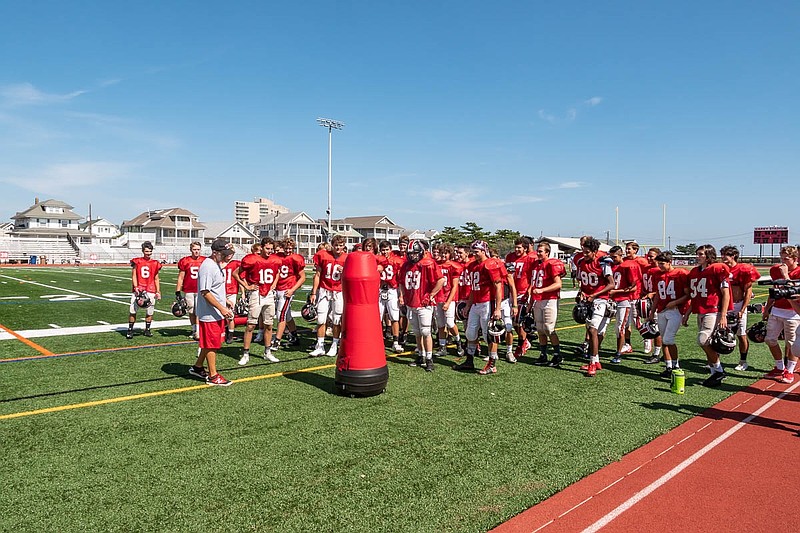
<point x="570" y="114"/>
<point x="21" y="94"/>
<point x="593" y="101"/>
<point x="66" y="177"/>
<point x="571" y="185"/>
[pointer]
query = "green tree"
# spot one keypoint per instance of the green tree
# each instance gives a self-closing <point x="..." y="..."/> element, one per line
<point x="686" y="249"/>
<point x="503" y="240"/>
<point x="451" y="235"/>
<point x="473" y="232"/>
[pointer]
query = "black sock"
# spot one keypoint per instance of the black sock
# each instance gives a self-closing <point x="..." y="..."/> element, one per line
<point x="130" y="326"/>
<point x="147" y="325"/>
<point x="743" y="356"/>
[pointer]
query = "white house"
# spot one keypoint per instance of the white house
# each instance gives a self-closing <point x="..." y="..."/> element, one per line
<point x="101" y="230"/>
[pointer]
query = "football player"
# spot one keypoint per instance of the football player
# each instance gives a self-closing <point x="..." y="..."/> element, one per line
<point x="781" y="316"/>
<point x="400" y="253"/>
<point x="625" y="275"/>
<point x="388" y="302"/>
<point x="670" y="303"/>
<point x="509" y="306"/>
<point x="742" y="277"/>
<point x="596" y="281"/>
<point x="519" y="265"/>
<point x="420" y="280"/>
<point x="641" y="263"/>
<point x="648" y="292"/>
<point x="483" y="304"/>
<point x="291" y="278"/>
<point x="258" y="274"/>
<point x="710" y="297"/>
<point x="446" y="298"/>
<point x="145" y="288"/>
<point x="231" y="292"/>
<point x="187" y="281"/>
<point x="326" y="295"/>
<point x="545" y="291"/>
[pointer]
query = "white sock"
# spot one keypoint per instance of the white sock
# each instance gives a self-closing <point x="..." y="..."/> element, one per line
<point x="669" y="363"/>
<point x="320" y="342"/>
<point x="790" y="366"/>
<point x="779" y="364"/>
<point x="657" y="351"/>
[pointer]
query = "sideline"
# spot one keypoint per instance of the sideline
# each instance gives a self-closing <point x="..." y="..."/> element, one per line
<point x="99" y="350"/>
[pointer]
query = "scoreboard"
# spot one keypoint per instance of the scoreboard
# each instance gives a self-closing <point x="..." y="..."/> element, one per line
<point x="771" y="235"/>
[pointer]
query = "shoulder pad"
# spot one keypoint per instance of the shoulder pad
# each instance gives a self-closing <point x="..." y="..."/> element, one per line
<point x="606" y="260"/>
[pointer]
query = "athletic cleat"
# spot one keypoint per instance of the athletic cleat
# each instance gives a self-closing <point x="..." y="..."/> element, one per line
<point x="485" y="358"/>
<point x="583" y="349"/>
<point x="541" y="360"/>
<point x="429" y="365"/>
<point x="198" y="372"/>
<point x="397" y="348"/>
<point x="626" y="348"/>
<point x="195" y="337"/>
<point x="526" y="345"/>
<point x="488" y="369"/>
<point x="510" y="358"/>
<point x="417" y="362"/>
<point x="271" y="358"/>
<point x="774" y="374"/>
<point x="228" y="337"/>
<point x="441" y="352"/>
<point x="219" y="381"/>
<point x="788" y="377"/>
<point x="148" y="333"/>
<point x="334" y="350"/>
<point x="653" y="360"/>
<point x="648" y="345"/>
<point x="556" y="361"/>
<point x="715" y="379"/>
<point x="316" y="352"/>
<point x="591" y="369"/>
<point x="129" y="334"/>
<point x="742" y="366"/>
<point x="467" y="365"/>
<point x="294" y="340"/>
<point x="597" y="366"/>
<point x="616" y="359"/>
<point x="666" y="373"/>
<point x="275" y="344"/>
<point x="518" y="352"/>
<point x="460" y="351"/>
<point x="244" y="360"/>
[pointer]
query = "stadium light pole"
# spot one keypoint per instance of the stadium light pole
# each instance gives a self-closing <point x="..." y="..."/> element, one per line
<point x="331" y="125"/>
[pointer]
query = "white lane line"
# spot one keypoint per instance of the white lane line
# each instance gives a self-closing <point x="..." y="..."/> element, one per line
<point x="103" y="322"/>
<point x="639" y="496"/>
<point x="13" y="297"/>
<point x="54" y="326"/>
<point x="76" y="292"/>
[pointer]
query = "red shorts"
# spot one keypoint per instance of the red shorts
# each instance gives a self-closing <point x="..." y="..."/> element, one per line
<point x="211" y="334"/>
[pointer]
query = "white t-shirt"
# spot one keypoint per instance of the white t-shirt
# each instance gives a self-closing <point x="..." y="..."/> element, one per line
<point x="210" y="277"/>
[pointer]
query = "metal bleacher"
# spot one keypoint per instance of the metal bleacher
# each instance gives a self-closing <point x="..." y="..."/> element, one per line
<point x="53" y="250"/>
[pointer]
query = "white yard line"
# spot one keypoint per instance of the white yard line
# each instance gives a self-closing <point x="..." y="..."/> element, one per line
<point x="82" y="330"/>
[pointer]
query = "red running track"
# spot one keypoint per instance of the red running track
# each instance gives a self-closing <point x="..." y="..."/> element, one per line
<point x="730" y="468"/>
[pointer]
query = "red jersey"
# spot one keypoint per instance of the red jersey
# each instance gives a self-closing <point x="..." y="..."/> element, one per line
<point x="626" y="274"/>
<point x="671" y="286"/>
<point x="464" y="282"/>
<point x="520" y="268"/>
<point x="146" y="272"/>
<point x="330" y="269"/>
<point x="482" y="276"/>
<point x="391" y="266"/>
<point x="261" y="271"/>
<point x="544" y="274"/>
<point x="451" y="270"/>
<point x="231" y="285"/>
<point x="418" y="281"/>
<point x="775" y="273"/>
<point x="190" y="266"/>
<point x="592" y="275"/>
<point x="706" y="286"/>
<point x="640" y="264"/>
<point x="290" y="271"/>
<point x="647" y="279"/>
<point x="742" y="274"/>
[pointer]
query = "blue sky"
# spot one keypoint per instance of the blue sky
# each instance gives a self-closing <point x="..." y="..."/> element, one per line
<point x="536" y="116"/>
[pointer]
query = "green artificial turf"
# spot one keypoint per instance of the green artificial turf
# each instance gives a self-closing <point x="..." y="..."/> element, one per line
<point x="441" y="451"/>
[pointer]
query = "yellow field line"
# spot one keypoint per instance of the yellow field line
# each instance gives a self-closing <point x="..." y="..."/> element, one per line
<point x="29" y="342"/>
<point x="187" y="389"/>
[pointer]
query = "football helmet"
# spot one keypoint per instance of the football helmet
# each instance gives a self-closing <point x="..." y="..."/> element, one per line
<point x="733" y="320"/>
<point x="757" y="331"/>
<point x="497" y="328"/>
<point x="723" y="340"/>
<point x="242" y="305"/>
<point x="643" y="307"/>
<point x="142" y="299"/>
<point x="582" y="312"/>
<point x="755" y="308"/>
<point x="461" y="309"/>
<point x="309" y="312"/>
<point x="611" y="309"/>
<point x="529" y="324"/>
<point x="416" y="249"/>
<point x="179" y="308"/>
<point x="649" y="330"/>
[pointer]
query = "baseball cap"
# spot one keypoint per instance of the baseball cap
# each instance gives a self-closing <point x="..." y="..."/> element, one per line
<point x="221" y="245"/>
